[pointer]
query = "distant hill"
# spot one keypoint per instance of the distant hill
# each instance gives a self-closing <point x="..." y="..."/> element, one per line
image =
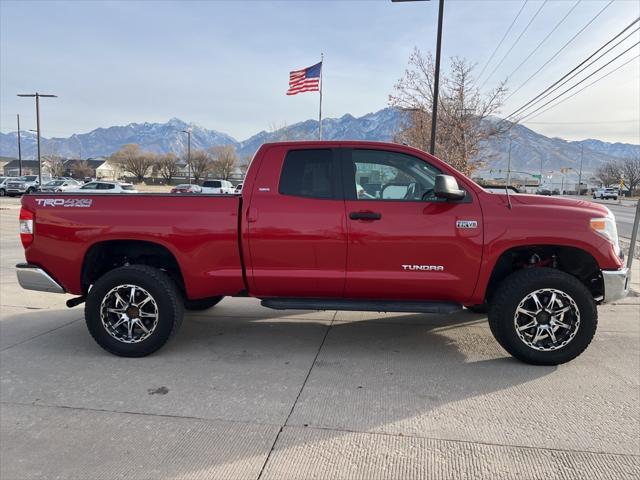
<point x="528" y="148"/>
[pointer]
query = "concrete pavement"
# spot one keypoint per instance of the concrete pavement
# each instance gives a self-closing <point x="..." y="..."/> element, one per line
<point x="246" y="392"/>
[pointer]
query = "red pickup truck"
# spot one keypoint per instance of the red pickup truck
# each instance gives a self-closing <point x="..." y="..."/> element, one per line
<point x="331" y="226"/>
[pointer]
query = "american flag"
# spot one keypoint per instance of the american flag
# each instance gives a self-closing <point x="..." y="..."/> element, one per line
<point x="305" y="80"/>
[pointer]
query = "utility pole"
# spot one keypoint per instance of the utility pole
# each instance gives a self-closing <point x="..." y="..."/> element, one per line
<point x="580" y="174"/>
<point x="436" y="79"/>
<point x="188" y="132"/>
<point x="19" y="148"/>
<point x="509" y="166"/>
<point x="37" y="97"/>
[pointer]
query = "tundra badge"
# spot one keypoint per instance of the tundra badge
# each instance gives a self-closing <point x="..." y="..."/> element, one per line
<point x="424" y="268"/>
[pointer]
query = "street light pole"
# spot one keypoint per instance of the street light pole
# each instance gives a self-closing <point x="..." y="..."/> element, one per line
<point x="19" y="148"/>
<point x="188" y="132"/>
<point x="580" y="174"/>
<point x="436" y="80"/>
<point x="37" y="97"/>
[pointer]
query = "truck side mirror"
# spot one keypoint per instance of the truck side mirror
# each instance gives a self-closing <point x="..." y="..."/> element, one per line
<point x="447" y="187"/>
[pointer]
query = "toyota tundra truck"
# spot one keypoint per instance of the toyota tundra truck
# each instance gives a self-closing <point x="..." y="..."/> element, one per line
<point x="347" y="225"/>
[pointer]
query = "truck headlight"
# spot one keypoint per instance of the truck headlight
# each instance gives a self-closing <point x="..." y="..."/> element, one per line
<point x="606" y="227"/>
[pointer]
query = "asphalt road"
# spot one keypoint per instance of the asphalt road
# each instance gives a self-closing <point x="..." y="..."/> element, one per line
<point x="250" y="393"/>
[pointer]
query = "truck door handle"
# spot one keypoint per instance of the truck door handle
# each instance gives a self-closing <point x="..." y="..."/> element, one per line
<point x="365" y="216"/>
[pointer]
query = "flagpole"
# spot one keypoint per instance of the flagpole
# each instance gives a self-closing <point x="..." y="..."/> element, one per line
<point x="320" y="110"/>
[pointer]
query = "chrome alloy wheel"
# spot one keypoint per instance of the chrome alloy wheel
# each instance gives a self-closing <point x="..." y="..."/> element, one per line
<point x="547" y="319"/>
<point x="129" y="313"/>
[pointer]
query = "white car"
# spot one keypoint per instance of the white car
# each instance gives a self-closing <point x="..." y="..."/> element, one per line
<point x="104" y="187"/>
<point x="3" y="185"/>
<point x="217" y="186"/>
<point x="605" y="193"/>
<point x="59" y="185"/>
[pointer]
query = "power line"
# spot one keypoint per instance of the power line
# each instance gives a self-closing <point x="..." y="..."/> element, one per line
<point x="515" y="43"/>
<point x="581" y="81"/>
<point x="495" y="50"/>
<point x="637" y="120"/>
<point x="585" y="87"/>
<point x="577" y="69"/>
<point x="545" y="38"/>
<point x="561" y="49"/>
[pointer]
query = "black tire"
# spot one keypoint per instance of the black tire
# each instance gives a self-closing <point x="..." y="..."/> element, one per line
<point x="30" y="190"/>
<point x="201" y="304"/>
<point x="2" y="192"/>
<point x="515" y="288"/>
<point x="168" y="303"/>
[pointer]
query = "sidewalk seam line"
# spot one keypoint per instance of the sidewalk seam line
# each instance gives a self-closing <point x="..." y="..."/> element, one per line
<point x="275" y="441"/>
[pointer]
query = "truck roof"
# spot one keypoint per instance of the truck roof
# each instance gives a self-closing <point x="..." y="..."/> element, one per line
<point x="351" y="143"/>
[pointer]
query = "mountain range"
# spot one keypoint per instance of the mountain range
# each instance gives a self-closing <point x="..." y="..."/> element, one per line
<point x="529" y="150"/>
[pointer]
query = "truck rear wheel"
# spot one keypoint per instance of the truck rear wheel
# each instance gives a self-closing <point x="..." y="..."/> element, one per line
<point x="543" y="316"/>
<point x="202" y="303"/>
<point x="132" y="311"/>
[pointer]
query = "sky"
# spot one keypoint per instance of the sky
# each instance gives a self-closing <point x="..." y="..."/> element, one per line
<point x="224" y="65"/>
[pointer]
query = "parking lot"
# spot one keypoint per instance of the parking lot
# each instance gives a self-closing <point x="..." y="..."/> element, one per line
<point x="247" y="392"/>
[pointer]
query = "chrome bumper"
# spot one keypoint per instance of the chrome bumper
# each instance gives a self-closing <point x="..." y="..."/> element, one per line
<point x="616" y="284"/>
<point x="31" y="277"/>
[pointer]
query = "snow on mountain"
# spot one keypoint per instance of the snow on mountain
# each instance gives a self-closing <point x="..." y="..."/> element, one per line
<point x="529" y="150"/>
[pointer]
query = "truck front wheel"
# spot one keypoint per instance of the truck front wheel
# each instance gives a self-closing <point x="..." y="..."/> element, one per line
<point x="132" y="311"/>
<point x="543" y="316"/>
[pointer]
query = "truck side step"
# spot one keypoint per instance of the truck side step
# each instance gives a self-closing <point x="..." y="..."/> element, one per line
<point x="360" y="305"/>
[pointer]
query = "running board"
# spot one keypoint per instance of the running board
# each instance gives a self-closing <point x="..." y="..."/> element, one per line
<point x="360" y="305"/>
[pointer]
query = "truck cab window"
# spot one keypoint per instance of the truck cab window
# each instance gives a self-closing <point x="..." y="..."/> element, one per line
<point x="308" y="173"/>
<point x="382" y="175"/>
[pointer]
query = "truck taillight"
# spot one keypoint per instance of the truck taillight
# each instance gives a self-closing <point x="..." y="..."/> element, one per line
<point x="26" y="227"/>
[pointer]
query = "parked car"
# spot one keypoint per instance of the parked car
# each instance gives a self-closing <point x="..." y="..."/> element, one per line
<point x="544" y="191"/>
<point x="187" y="188"/>
<point x="217" y="186"/>
<point x="21" y="185"/>
<point x="104" y="187"/>
<point x="238" y="188"/>
<point x="300" y="238"/>
<point x="605" y="193"/>
<point x="3" y="185"/>
<point x="59" y="186"/>
<point x="501" y="190"/>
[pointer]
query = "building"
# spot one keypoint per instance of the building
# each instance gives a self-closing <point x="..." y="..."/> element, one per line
<point x="12" y="168"/>
<point x="71" y="166"/>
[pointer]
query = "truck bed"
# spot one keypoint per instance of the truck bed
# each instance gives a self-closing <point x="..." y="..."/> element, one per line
<point x="200" y="231"/>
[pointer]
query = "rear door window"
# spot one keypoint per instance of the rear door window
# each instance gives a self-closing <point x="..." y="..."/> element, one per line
<point x="309" y="173"/>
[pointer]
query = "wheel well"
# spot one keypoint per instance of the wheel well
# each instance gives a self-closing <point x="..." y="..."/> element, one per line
<point x="571" y="260"/>
<point x="105" y="256"/>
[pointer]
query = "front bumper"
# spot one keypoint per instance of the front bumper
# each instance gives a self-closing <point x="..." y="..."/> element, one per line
<point x="31" y="277"/>
<point x="616" y="284"/>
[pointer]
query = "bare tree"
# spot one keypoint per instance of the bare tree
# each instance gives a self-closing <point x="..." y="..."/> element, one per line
<point x="201" y="164"/>
<point x="608" y="174"/>
<point x="463" y="111"/>
<point x="82" y="169"/>
<point x="224" y="161"/>
<point x="167" y="166"/>
<point x="630" y="169"/>
<point x="55" y="165"/>
<point x="133" y="160"/>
